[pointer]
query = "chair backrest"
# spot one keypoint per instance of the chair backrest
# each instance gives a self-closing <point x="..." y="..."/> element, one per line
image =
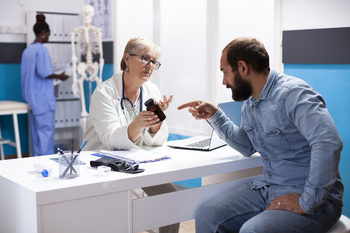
<point x="232" y="110"/>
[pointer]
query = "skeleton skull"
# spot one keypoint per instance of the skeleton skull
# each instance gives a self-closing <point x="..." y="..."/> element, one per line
<point x="87" y="12"/>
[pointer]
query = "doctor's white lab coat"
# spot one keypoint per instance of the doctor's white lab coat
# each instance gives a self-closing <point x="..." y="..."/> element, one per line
<point x="106" y="124"/>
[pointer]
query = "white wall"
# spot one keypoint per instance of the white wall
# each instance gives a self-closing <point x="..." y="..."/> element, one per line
<point x="253" y="18"/>
<point x="183" y="40"/>
<point x="315" y="14"/>
<point x="12" y="12"/>
<point x="192" y="35"/>
<point x="133" y="18"/>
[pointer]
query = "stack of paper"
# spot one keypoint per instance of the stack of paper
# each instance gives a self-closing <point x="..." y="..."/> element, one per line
<point x="137" y="155"/>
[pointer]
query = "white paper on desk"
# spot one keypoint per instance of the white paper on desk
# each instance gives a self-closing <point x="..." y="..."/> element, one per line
<point x="137" y="155"/>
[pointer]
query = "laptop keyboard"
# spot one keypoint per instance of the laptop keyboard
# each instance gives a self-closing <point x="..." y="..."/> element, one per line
<point x="202" y="143"/>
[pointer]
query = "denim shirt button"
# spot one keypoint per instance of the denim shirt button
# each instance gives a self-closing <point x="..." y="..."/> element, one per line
<point x="266" y="159"/>
<point x="262" y="143"/>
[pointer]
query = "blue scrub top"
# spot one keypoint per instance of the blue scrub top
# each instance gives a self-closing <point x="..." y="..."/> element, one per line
<point x="37" y="90"/>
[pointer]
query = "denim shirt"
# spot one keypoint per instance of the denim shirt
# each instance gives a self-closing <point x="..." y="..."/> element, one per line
<point x="291" y="128"/>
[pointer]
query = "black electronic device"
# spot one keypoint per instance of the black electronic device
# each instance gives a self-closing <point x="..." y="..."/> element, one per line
<point x="117" y="165"/>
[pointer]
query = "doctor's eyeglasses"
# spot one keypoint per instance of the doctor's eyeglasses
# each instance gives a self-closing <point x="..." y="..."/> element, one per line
<point x="146" y="60"/>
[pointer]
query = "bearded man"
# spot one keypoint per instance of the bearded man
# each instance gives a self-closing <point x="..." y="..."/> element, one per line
<point x="287" y="122"/>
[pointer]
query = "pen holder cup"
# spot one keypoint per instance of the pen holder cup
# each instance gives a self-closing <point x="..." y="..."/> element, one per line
<point x="69" y="165"/>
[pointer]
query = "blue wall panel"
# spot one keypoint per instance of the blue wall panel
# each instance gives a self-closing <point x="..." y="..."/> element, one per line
<point x="10" y="79"/>
<point x="192" y="183"/>
<point x="10" y="89"/>
<point x="106" y="74"/>
<point x="333" y="83"/>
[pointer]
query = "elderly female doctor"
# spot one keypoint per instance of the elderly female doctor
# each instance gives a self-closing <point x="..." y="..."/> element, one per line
<point x="118" y="118"/>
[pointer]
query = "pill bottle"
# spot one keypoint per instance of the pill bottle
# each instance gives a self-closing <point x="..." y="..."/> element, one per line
<point x="154" y="107"/>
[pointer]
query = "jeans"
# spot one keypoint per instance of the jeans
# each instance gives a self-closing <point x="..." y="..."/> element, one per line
<point x="244" y="210"/>
<point x="42" y="129"/>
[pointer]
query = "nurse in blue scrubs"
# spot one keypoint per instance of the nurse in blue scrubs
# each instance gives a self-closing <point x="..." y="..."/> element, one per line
<point x="38" y="90"/>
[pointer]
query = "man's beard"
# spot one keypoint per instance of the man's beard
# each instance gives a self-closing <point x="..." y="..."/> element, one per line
<point x="242" y="89"/>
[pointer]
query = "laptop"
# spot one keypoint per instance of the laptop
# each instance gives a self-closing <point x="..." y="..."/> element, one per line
<point x="232" y="110"/>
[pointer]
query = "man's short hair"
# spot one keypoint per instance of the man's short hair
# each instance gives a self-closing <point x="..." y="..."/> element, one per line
<point x="251" y="51"/>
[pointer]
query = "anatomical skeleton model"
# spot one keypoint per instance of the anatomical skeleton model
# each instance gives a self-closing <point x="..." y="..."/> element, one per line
<point x="89" y="41"/>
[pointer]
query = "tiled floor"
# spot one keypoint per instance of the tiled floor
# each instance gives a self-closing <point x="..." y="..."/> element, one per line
<point x="187" y="227"/>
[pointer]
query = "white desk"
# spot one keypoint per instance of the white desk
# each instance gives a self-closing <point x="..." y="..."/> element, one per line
<point x="90" y="203"/>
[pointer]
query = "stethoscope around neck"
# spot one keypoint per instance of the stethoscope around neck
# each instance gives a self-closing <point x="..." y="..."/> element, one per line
<point x="124" y="98"/>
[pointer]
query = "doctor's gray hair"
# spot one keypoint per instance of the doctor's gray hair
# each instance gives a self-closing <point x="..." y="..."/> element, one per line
<point x="137" y="44"/>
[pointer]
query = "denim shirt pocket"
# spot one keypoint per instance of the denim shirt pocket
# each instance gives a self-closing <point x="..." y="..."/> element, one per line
<point x="250" y="132"/>
<point x="279" y="141"/>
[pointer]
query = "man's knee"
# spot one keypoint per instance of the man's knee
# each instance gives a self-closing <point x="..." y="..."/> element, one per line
<point x="248" y="228"/>
<point x="205" y="216"/>
<point x="200" y="212"/>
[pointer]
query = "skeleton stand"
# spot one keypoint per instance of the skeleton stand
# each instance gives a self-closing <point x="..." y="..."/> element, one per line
<point x="89" y="41"/>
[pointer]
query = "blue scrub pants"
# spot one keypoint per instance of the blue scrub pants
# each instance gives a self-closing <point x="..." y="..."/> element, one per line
<point x="244" y="210"/>
<point x="42" y="132"/>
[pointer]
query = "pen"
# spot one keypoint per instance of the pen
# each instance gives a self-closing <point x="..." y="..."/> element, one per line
<point x="72" y="154"/>
<point x="65" y="158"/>
<point x="82" y="147"/>
<point x="61" y="151"/>
<point x="71" y="162"/>
<point x="72" y="145"/>
<point x="69" y="165"/>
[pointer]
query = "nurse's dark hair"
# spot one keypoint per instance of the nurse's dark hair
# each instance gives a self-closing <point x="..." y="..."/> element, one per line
<point x="40" y="25"/>
<point x="249" y="50"/>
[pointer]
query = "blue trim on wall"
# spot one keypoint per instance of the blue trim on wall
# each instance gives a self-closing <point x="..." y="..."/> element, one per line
<point x="192" y="183"/>
<point x="173" y="137"/>
<point x="8" y="132"/>
<point x="333" y="83"/>
<point x="10" y="89"/>
<point x="10" y="79"/>
<point x="106" y="74"/>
